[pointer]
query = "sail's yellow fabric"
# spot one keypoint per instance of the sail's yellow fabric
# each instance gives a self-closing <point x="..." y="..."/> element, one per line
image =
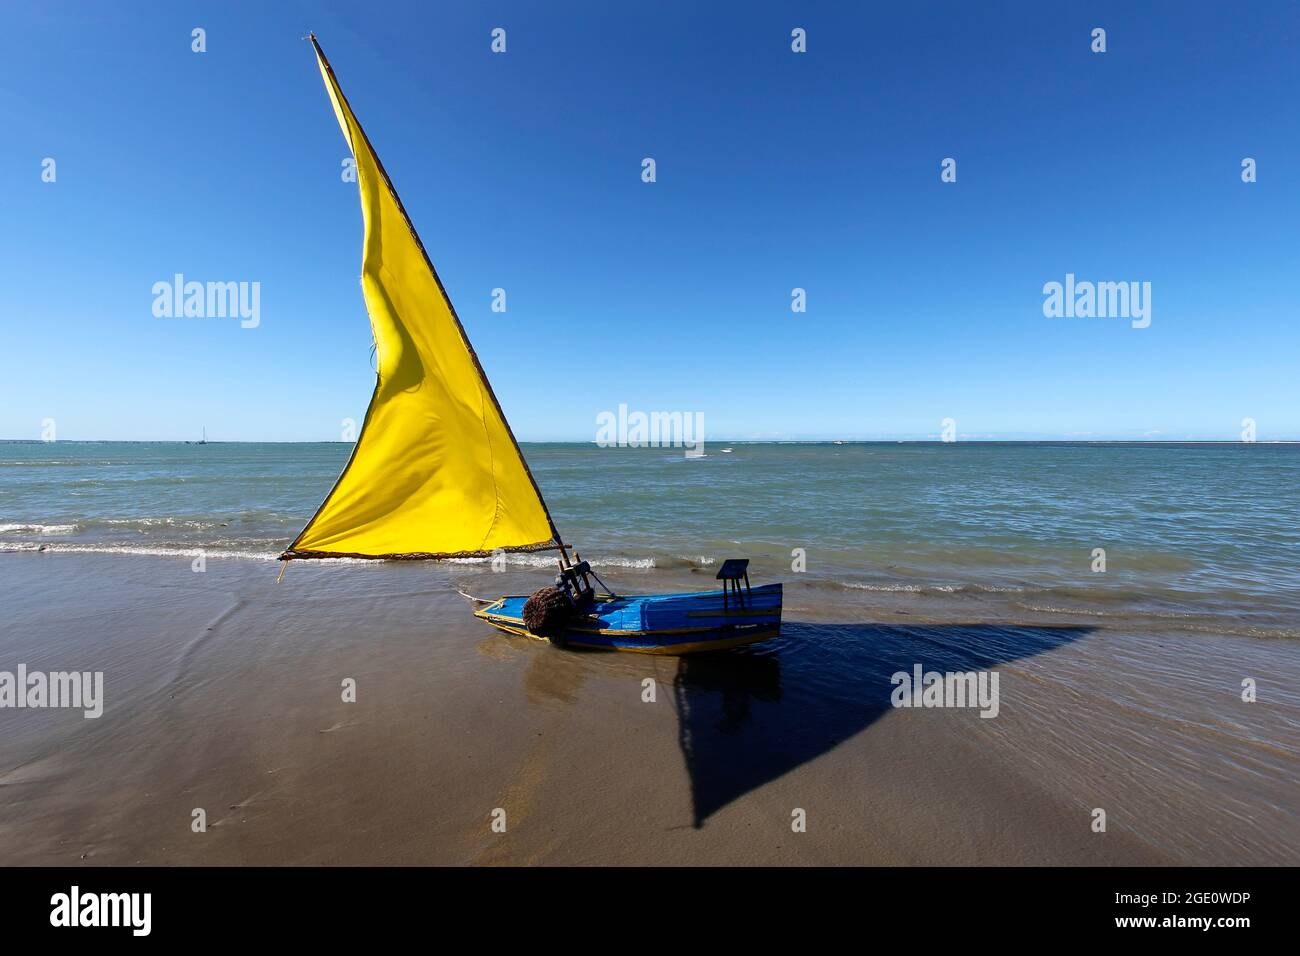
<point x="435" y="470"/>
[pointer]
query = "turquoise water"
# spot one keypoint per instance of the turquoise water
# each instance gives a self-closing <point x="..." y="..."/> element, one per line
<point x="1188" y="530"/>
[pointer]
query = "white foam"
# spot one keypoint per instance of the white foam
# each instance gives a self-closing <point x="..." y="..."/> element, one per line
<point x="42" y="529"/>
<point x="640" y="564"/>
<point x="136" y="550"/>
<point x="908" y="588"/>
<point x="161" y="523"/>
<point x="522" y="560"/>
<point x="531" y="560"/>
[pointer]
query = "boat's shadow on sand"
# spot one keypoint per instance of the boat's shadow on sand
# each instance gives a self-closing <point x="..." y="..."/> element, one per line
<point x="751" y="715"/>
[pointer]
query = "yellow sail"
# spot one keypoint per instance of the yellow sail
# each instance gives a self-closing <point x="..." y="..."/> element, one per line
<point x="436" y="471"/>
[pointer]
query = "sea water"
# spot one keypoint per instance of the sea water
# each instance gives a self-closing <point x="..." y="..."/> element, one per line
<point x="1206" y="533"/>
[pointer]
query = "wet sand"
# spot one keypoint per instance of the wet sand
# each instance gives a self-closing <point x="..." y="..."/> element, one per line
<point x="223" y="692"/>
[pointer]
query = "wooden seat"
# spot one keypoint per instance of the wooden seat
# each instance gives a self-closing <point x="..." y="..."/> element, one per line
<point x="732" y="572"/>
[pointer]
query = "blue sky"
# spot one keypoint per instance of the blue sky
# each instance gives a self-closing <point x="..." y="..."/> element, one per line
<point x="775" y="170"/>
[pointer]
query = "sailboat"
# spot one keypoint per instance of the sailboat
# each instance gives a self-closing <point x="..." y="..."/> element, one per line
<point x="436" y="472"/>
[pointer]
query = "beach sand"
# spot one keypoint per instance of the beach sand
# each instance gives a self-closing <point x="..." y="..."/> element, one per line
<point x="224" y="692"/>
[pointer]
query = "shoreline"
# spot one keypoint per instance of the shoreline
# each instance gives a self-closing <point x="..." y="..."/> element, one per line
<point x="222" y="693"/>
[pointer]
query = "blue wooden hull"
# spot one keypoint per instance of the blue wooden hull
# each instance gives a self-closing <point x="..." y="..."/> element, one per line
<point x="659" y="623"/>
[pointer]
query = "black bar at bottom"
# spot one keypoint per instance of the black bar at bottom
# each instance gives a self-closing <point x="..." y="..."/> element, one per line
<point x="332" y="905"/>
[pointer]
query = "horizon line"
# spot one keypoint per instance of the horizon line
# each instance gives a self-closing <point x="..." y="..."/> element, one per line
<point x="707" y="442"/>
